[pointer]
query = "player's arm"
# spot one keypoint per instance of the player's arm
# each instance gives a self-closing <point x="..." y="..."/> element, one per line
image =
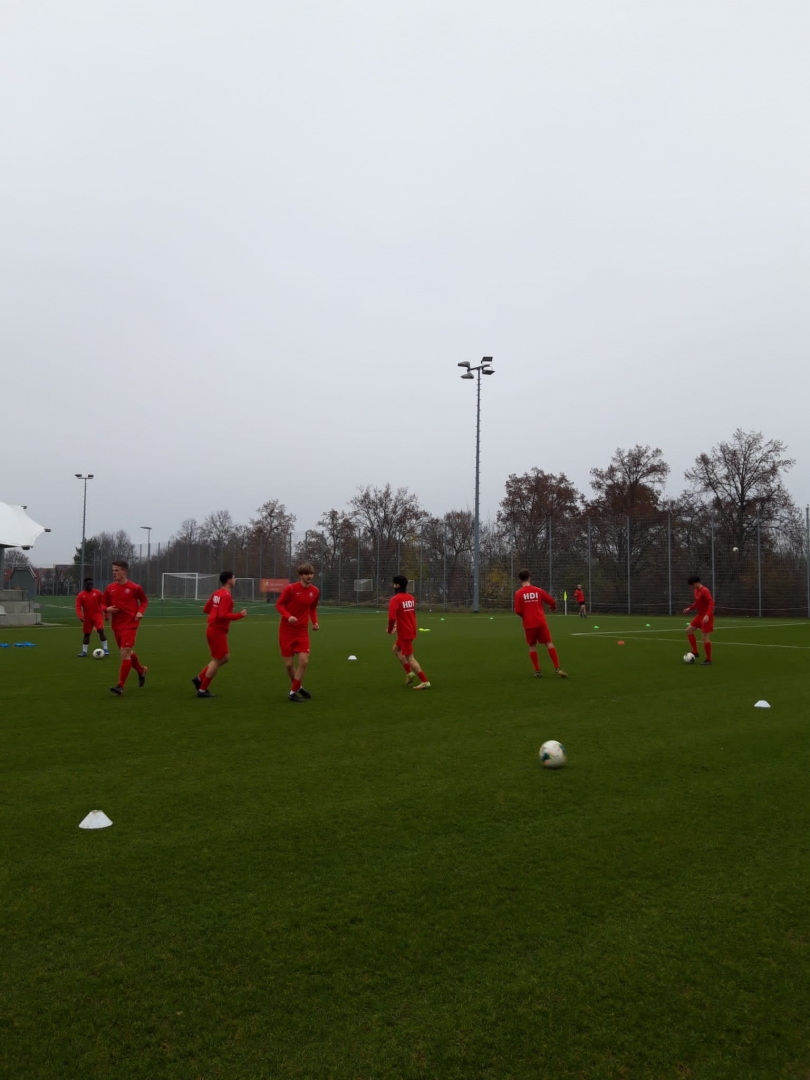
<point x="710" y="608"/>
<point x="209" y="605"/>
<point x="313" y="611"/>
<point x="143" y="603"/>
<point x="79" y="606"/>
<point x="109" y="607"/>
<point x="548" y="600"/>
<point x="393" y="605"/>
<point x="226" y="610"/>
<point x="519" y="604"/>
<point x="283" y="600"/>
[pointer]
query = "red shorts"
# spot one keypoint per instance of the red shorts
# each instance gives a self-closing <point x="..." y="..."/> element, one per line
<point x="125" y="636"/>
<point x="405" y="646"/>
<point x="89" y="625"/>
<point x="697" y="624"/>
<point x="217" y="642"/>
<point x="291" y="642"/>
<point x="535" y="634"/>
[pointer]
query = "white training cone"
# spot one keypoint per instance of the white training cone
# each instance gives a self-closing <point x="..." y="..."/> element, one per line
<point x="352" y="657"/>
<point x="96" y="819"/>
<point x="762" y="705"/>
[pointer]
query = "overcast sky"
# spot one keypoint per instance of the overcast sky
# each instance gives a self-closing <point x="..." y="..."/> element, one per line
<point x="244" y="245"/>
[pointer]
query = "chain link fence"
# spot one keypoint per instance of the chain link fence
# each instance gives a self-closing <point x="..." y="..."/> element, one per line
<point x="632" y="565"/>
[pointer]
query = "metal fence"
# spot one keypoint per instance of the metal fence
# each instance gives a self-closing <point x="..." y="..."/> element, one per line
<point x="633" y="565"/>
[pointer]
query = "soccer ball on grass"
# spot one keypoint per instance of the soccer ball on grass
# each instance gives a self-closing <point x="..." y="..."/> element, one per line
<point x="98" y="654"/>
<point x="689" y="658"/>
<point x="552" y="754"/>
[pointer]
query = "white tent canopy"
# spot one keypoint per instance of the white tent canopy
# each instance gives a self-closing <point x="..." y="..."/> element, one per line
<point x="17" y="529"/>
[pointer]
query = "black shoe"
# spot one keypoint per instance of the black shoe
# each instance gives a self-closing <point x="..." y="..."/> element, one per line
<point x="197" y="682"/>
<point x="706" y="663"/>
<point x="305" y="694"/>
<point x="81" y="655"/>
<point x="294" y="696"/>
<point x="117" y="690"/>
<point x="205" y="693"/>
<point x="142" y="677"/>
<point x="538" y="675"/>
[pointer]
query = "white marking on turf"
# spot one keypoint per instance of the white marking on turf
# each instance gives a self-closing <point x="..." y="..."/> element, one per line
<point x="682" y="629"/>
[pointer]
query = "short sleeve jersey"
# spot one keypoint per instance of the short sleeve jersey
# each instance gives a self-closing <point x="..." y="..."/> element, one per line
<point x="300" y="601"/>
<point x="402" y="612"/>
<point x="219" y="609"/>
<point x="129" y="598"/>
<point x="88" y="604"/>
<point x="529" y="602"/>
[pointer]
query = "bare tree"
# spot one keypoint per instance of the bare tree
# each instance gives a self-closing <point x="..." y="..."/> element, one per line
<point x="743" y="478"/>
<point x="335" y="531"/>
<point x="272" y="519"/>
<point x="386" y="513"/>
<point x="188" y="533"/>
<point x="217" y="529"/>
<point x="15" y="558"/>
<point x="633" y="483"/>
<point x="530" y="500"/>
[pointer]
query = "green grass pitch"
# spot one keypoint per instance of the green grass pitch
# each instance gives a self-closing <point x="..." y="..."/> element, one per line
<point x="386" y="884"/>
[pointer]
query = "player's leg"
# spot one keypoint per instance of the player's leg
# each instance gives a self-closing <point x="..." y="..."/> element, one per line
<point x="290" y="668"/>
<point x="126" y="664"/>
<point x="210" y="671"/>
<point x="85" y="644"/>
<point x="707" y="645"/>
<point x="102" y="637"/>
<point x="403" y="659"/>
<point x="690" y="634"/>
<point x="418" y="670"/>
<point x="552" y="652"/>
<point x="535" y="659"/>
<point x="300" y="675"/>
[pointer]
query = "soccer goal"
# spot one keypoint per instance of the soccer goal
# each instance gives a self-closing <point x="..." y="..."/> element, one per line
<point x="364" y="584"/>
<point x="244" y="588"/>
<point x="188" y="586"/>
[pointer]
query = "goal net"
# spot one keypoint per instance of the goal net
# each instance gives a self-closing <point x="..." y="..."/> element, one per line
<point x="244" y="588"/>
<point x="187" y="586"/>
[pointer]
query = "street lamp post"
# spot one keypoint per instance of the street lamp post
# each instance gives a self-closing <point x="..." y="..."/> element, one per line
<point x="84" y="479"/>
<point x="148" y="557"/>
<point x="483" y="368"/>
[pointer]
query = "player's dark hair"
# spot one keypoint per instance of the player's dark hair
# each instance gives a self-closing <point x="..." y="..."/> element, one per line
<point x="122" y="563"/>
<point x="226" y="576"/>
<point x="525" y="575"/>
<point x="694" y="580"/>
<point x="401" y="582"/>
<point x="306" y="568"/>
<point x="88" y="581"/>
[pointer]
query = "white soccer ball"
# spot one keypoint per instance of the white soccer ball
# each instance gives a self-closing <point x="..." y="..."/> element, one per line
<point x="552" y="754"/>
<point x="735" y="549"/>
<point x="689" y="658"/>
<point x="98" y="654"/>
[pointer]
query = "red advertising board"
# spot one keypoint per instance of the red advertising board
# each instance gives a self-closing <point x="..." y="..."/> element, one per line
<point x="273" y="584"/>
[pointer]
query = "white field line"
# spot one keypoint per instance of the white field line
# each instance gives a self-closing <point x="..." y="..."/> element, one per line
<point x="748" y="644"/>
<point x="679" y="630"/>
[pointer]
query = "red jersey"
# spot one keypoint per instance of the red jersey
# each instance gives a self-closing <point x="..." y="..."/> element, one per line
<point x="704" y="602"/>
<point x="89" y="604"/>
<point x="129" y="598"/>
<point x="402" y="611"/>
<point x="529" y="602"/>
<point x="219" y="609"/>
<point x="300" y="601"/>
<point x="579" y="596"/>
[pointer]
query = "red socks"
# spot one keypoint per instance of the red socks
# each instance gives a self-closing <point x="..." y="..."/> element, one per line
<point x="707" y="645"/>
<point x="534" y="660"/>
<point x="692" y="643"/>
<point x="137" y="664"/>
<point x="123" y="674"/>
<point x="205" y="682"/>
<point x="421" y="676"/>
<point x="554" y="658"/>
<point x="296" y="685"/>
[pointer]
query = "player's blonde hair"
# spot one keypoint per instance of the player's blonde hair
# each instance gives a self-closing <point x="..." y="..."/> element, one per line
<point x="305" y="568"/>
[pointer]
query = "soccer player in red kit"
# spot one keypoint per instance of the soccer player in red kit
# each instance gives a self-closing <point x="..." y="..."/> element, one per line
<point x="297" y="604"/>
<point x="402" y="614"/>
<point x="219" y="609"/>
<point x="703" y="621"/>
<point x="579" y="596"/>
<point x="91" y="613"/>
<point x="125" y="602"/>
<point x="529" y="600"/>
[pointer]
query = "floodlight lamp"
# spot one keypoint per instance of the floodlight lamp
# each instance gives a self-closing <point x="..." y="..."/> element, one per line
<point x="469" y="375"/>
<point x="487" y="371"/>
<point x="464" y="363"/>
<point x="486" y="359"/>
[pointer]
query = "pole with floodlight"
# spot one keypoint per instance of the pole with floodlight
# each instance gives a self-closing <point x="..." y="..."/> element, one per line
<point x="84" y="479"/>
<point x="484" y="368"/>
<point x="148" y="557"/>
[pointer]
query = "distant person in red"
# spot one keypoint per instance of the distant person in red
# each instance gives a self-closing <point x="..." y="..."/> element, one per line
<point x="91" y="613"/>
<point x="703" y="621"/>
<point x="529" y="600"/>
<point x="125" y="602"/>
<point x="402" y="614"/>
<point x="297" y="604"/>
<point x="579" y="596"/>
<point x="219" y="609"/>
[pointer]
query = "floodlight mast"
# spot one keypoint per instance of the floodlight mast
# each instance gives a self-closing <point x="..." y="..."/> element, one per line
<point x="484" y="368"/>
<point x="148" y="556"/>
<point x="83" y="478"/>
